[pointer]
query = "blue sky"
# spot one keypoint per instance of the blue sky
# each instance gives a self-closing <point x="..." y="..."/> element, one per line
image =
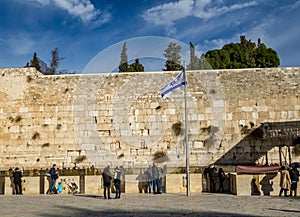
<point x="89" y="31"/>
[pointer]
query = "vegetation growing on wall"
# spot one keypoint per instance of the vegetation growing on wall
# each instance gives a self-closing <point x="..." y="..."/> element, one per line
<point x="120" y="156"/>
<point x="35" y="136"/>
<point x="17" y="119"/>
<point x="245" y="130"/>
<point x="80" y="159"/>
<point x="160" y="157"/>
<point x="296" y="150"/>
<point x="28" y="78"/>
<point x="46" y="145"/>
<point x="176" y="127"/>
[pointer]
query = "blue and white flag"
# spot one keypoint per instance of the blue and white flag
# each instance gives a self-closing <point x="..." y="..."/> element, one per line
<point x="177" y="83"/>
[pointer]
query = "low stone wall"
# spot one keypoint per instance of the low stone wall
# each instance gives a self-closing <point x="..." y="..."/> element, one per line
<point x="237" y="184"/>
<point x="38" y="185"/>
<point x="92" y="184"/>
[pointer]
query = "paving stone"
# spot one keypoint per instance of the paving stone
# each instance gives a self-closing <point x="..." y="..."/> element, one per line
<point x="146" y="205"/>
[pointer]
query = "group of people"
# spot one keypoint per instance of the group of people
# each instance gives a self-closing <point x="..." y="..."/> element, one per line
<point x="154" y="179"/>
<point x="107" y="177"/>
<point x="54" y="175"/>
<point x="17" y="175"/>
<point x="289" y="178"/>
<point x="215" y="175"/>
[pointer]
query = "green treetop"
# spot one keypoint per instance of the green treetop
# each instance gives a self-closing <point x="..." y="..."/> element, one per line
<point x="242" y="55"/>
<point x="172" y="54"/>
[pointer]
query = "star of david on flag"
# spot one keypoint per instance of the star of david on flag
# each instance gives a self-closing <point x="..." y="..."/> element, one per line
<point x="173" y="85"/>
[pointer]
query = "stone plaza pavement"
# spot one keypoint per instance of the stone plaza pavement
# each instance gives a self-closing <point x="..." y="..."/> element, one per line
<point x="203" y="204"/>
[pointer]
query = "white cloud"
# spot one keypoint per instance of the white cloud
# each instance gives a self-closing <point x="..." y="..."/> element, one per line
<point x="202" y="10"/>
<point x="41" y="2"/>
<point x="167" y="14"/>
<point x="82" y="9"/>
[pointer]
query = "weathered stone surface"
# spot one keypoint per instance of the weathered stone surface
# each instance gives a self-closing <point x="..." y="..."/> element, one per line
<point x="121" y="119"/>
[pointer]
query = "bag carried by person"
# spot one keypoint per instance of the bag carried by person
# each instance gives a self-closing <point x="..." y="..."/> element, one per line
<point x="56" y="176"/>
<point x="53" y="173"/>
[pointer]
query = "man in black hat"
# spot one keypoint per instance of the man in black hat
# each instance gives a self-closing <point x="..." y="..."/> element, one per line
<point x="18" y="174"/>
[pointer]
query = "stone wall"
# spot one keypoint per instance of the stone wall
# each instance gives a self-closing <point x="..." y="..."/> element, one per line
<point x="121" y="119"/>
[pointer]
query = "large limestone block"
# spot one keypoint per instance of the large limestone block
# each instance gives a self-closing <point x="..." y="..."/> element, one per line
<point x="93" y="184"/>
<point x="176" y="183"/>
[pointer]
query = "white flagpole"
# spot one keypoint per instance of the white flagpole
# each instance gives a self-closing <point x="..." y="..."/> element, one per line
<point x="187" y="149"/>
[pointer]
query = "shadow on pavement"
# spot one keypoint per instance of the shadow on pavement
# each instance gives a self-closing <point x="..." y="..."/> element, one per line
<point x="89" y="196"/>
<point x="76" y="212"/>
<point x="286" y="210"/>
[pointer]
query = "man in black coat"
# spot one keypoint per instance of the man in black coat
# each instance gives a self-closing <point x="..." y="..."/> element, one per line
<point x="18" y="174"/>
<point x="107" y="177"/>
<point x="212" y="177"/>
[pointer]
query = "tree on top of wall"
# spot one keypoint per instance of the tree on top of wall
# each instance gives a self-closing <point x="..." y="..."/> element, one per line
<point x="42" y="67"/>
<point x="125" y="67"/>
<point x="172" y="54"/>
<point x="244" y="54"/>
<point x="35" y="62"/>
<point x="197" y="62"/>
<point x="136" y="66"/>
<point x="54" y="62"/>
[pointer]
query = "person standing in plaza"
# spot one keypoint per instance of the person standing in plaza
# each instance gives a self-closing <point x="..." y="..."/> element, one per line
<point x="212" y="177"/>
<point x="221" y="176"/>
<point x="117" y="182"/>
<point x="159" y="180"/>
<point x="54" y="176"/>
<point x="18" y="174"/>
<point x="155" y="172"/>
<point x="149" y="174"/>
<point x="107" y="177"/>
<point x="294" y="174"/>
<point x="285" y="181"/>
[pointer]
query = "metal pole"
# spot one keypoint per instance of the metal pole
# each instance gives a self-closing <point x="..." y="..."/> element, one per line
<point x="280" y="157"/>
<point x="187" y="150"/>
